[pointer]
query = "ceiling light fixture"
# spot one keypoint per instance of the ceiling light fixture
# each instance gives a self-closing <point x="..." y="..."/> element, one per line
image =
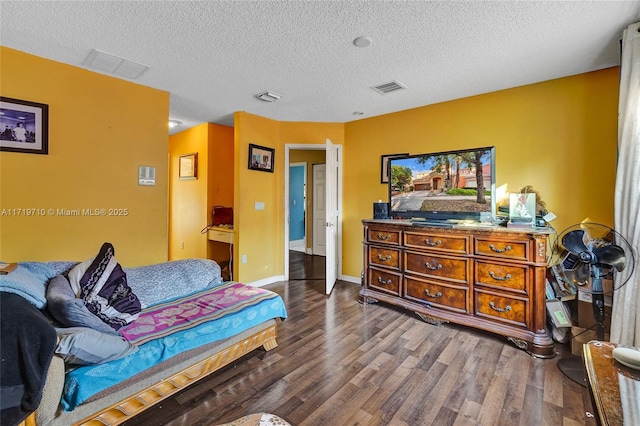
<point x="174" y="123"/>
<point x="362" y="41"/>
<point x="268" y="96"/>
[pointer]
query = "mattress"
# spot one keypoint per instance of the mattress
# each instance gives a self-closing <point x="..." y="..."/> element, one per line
<point x="166" y="330"/>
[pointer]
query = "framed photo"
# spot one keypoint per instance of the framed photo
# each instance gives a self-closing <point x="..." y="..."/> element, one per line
<point x="522" y="208"/>
<point x="188" y="166"/>
<point x="24" y="126"/>
<point x="384" y="166"/>
<point x="261" y="158"/>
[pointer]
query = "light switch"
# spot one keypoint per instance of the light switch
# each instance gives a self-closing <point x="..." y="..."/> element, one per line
<point x="259" y="205"/>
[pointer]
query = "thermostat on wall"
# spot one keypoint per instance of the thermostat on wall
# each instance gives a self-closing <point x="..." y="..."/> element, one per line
<point x="146" y="175"/>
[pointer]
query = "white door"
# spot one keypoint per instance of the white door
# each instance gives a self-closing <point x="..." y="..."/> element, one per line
<point x="319" y="209"/>
<point x="331" y="242"/>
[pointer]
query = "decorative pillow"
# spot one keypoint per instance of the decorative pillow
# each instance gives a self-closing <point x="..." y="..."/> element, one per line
<point x="102" y="284"/>
<point x="168" y="280"/>
<point x="70" y="311"/>
<point x="86" y="346"/>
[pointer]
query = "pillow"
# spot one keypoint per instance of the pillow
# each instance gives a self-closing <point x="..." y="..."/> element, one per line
<point x="102" y="284"/>
<point x="168" y="280"/>
<point x="29" y="280"/>
<point x="70" y="311"/>
<point x="86" y="346"/>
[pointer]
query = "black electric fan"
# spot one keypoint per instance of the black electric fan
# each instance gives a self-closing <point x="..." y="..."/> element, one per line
<point x="587" y="253"/>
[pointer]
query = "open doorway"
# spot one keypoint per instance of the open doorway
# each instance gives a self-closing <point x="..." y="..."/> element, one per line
<point x="310" y="264"/>
<point x="306" y="259"/>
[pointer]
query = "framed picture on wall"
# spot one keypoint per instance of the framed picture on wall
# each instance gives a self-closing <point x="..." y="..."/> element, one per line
<point x="261" y="158"/>
<point x="188" y="166"/>
<point x="24" y="126"/>
<point x="384" y="166"/>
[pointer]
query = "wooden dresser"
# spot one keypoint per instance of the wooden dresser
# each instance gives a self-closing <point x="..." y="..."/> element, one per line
<point x="489" y="278"/>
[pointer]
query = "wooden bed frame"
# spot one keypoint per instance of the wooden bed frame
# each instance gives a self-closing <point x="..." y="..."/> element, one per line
<point x="140" y="401"/>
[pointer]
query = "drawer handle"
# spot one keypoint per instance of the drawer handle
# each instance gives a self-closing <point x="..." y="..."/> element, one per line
<point x="384" y="258"/>
<point x="429" y="243"/>
<point x="497" y="278"/>
<point x="428" y="293"/>
<point x="433" y="268"/>
<point x="384" y="282"/>
<point x="505" y="309"/>
<point x="383" y="237"/>
<point x="492" y="247"/>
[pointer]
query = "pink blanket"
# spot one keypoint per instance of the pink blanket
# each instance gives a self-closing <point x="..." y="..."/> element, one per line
<point x="186" y="312"/>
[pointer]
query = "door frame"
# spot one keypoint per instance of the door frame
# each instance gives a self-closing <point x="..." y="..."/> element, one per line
<point x="311" y="147"/>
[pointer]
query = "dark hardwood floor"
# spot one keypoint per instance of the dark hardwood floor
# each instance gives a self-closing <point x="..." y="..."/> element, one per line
<point x="342" y="363"/>
<point x="305" y="267"/>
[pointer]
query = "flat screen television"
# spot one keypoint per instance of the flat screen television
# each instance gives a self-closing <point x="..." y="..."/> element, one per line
<point x="447" y="186"/>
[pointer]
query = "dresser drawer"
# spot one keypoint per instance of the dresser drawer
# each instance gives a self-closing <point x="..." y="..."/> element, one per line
<point x="436" y="242"/>
<point x="501" y="276"/>
<point x="510" y="310"/>
<point x="383" y="236"/>
<point x="384" y="257"/>
<point x="508" y="249"/>
<point x="436" y="294"/>
<point x="385" y="281"/>
<point x="446" y="268"/>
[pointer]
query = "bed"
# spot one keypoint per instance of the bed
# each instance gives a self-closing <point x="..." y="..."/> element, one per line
<point x="189" y="325"/>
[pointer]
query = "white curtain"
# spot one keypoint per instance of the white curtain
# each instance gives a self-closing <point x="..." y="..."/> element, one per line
<point x="625" y="322"/>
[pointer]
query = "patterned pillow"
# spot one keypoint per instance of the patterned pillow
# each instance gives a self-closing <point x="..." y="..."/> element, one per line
<point x="102" y="284"/>
<point x="69" y="310"/>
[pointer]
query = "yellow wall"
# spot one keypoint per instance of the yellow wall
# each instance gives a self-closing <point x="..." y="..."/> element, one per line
<point x="188" y="198"/>
<point x="191" y="200"/>
<point x="220" y="189"/>
<point x="559" y="136"/>
<point x="100" y="130"/>
<point x="260" y="234"/>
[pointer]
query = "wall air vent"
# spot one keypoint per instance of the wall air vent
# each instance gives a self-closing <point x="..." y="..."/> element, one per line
<point x="392" y="86"/>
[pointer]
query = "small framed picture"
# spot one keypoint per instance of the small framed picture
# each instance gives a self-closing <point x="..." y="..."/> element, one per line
<point x="188" y="166"/>
<point x="384" y="166"/>
<point x="24" y="126"/>
<point x="261" y="158"/>
<point x="522" y="208"/>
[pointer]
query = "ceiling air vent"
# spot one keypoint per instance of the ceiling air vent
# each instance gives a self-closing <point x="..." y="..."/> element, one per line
<point x="392" y="86"/>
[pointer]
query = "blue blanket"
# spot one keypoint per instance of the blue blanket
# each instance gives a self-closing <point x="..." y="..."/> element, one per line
<point x="84" y="382"/>
<point x="30" y="279"/>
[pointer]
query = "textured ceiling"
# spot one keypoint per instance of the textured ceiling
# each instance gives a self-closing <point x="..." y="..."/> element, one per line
<point x="214" y="56"/>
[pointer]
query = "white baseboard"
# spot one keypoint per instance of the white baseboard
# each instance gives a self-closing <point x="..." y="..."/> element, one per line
<point x="266" y="281"/>
<point x="297" y="245"/>
<point x="350" y="279"/>
<point x="278" y="278"/>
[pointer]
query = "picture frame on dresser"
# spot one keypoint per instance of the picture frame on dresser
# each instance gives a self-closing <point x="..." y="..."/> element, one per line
<point x="24" y="126"/>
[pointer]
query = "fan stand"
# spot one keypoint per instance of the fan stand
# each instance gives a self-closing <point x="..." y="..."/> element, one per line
<point x="573" y="367"/>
